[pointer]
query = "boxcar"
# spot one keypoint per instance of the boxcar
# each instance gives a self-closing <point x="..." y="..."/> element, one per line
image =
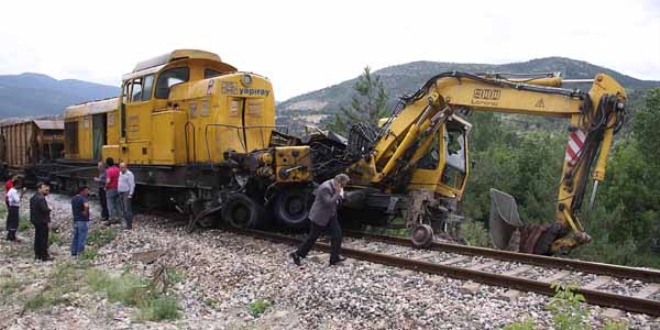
<point x="27" y="147"/>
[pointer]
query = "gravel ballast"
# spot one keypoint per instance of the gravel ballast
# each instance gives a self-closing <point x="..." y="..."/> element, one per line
<point x="224" y="275"/>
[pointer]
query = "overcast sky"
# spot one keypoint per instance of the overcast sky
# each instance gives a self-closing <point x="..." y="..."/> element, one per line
<point x="306" y="45"/>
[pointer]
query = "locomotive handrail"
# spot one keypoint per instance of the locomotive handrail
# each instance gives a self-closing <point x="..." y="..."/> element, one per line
<point x="206" y="134"/>
<point x="193" y="140"/>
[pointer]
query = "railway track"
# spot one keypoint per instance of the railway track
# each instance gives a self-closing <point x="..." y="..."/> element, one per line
<point x="617" y="287"/>
<point x="601" y="284"/>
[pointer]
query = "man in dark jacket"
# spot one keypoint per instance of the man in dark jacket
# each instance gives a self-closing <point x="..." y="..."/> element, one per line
<point x="323" y="216"/>
<point x="40" y="218"/>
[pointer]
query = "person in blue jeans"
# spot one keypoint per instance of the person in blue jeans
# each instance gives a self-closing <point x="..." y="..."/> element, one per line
<point x="80" y="208"/>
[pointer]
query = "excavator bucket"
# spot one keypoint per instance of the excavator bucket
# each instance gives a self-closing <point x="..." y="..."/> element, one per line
<point x="504" y="218"/>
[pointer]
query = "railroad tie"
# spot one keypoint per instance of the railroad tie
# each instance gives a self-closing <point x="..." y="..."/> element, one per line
<point x="556" y="277"/>
<point x="484" y="265"/>
<point x="519" y="270"/>
<point x="598" y="282"/>
<point x="425" y="256"/>
<point x="453" y="260"/>
<point x="647" y="291"/>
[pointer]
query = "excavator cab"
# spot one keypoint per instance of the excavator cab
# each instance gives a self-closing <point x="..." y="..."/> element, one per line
<point x="438" y="182"/>
<point x="443" y="168"/>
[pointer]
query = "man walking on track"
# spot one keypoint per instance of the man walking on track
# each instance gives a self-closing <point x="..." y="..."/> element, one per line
<point x="323" y="217"/>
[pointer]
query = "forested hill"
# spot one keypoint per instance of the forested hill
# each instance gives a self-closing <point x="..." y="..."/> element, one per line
<point x="32" y="94"/>
<point x="310" y="108"/>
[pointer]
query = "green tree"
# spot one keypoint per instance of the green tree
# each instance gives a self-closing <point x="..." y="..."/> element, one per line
<point x="645" y="126"/>
<point x="633" y="178"/>
<point x="367" y="104"/>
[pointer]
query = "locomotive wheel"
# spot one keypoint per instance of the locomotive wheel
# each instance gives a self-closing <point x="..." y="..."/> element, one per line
<point x="422" y="235"/>
<point x="292" y="208"/>
<point x="240" y="211"/>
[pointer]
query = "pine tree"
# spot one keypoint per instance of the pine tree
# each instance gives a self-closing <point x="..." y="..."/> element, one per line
<point x="367" y="104"/>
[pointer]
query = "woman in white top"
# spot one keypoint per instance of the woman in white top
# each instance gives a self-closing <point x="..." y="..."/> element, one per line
<point x="14" y="201"/>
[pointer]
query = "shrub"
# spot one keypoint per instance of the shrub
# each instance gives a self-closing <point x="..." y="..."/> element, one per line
<point x="135" y="291"/>
<point x="568" y="312"/>
<point x="128" y="289"/>
<point x="158" y="309"/>
<point x="101" y="237"/>
<point x="526" y="324"/>
<point x="475" y="233"/>
<point x="65" y="278"/>
<point x="258" y="307"/>
<point x="615" y="325"/>
<point x="24" y="224"/>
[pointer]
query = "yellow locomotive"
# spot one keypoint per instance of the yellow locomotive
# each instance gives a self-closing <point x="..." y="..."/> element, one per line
<point x="184" y="122"/>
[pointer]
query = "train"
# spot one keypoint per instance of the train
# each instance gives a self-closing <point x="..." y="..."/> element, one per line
<point x="198" y="135"/>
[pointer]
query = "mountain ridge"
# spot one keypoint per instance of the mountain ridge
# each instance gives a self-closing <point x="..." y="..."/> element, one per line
<point x="36" y="94"/>
<point x="406" y="78"/>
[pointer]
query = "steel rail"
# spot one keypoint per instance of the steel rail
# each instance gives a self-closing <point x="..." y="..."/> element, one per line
<point x="647" y="275"/>
<point x="594" y="297"/>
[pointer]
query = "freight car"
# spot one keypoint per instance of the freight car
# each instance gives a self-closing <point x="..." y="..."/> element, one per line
<point x="29" y="148"/>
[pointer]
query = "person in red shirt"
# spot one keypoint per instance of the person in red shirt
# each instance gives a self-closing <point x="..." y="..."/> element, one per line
<point x="8" y="185"/>
<point x="111" y="193"/>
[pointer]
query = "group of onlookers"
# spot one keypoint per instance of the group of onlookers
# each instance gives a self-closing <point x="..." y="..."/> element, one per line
<point x="116" y="189"/>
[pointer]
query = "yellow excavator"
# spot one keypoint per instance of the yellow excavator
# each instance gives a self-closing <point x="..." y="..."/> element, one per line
<point x="404" y="157"/>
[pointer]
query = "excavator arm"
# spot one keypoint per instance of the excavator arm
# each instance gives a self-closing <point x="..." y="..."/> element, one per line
<point x="594" y="118"/>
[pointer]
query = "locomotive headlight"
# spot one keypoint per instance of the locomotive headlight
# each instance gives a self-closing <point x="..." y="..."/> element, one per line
<point x="246" y="79"/>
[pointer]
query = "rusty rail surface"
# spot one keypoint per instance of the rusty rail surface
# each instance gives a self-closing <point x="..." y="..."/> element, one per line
<point x="627" y="303"/>
<point x="647" y="275"/>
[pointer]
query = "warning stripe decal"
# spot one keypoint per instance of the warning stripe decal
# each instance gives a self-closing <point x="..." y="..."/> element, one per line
<point x="575" y="144"/>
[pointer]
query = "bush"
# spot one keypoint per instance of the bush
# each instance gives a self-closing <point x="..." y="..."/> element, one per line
<point x="89" y="254"/>
<point x="54" y="238"/>
<point x="101" y="237"/>
<point x="615" y="325"/>
<point x="24" y="224"/>
<point x="568" y="312"/>
<point x="160" y="309"/>
<point x="211" y="302"/>
<point x="475" y="233"/>
<point x="174" y="275"/>
<point x="134" y="291"/>
<point x="128" y="289"/>
<point x="258" y="307"/>
<point x="65" y="278"/>
<point x="527" y="324"/>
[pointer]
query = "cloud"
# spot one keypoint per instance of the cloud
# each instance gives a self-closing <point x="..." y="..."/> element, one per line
<point x="304" y="45"/>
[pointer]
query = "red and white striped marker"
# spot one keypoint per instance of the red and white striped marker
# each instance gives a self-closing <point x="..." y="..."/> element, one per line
<point x="575" y="144"/>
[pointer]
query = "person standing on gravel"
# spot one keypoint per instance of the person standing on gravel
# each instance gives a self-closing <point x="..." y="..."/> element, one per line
<point x="80" y="208"/>
<point x="126" y="188"/>
<point x="40" y="218"/>
<point x="112" y="196"/>
<point x="8" y="184"/>
<point x="105" y="216"/>
<point x="323" y="217"/>
<point x="14" y="202"/>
